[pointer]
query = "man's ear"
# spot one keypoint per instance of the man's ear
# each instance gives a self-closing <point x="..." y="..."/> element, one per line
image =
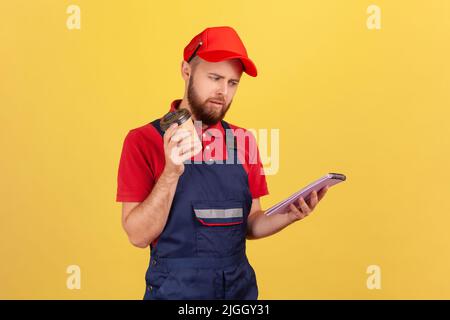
<point x="185" y="70"/>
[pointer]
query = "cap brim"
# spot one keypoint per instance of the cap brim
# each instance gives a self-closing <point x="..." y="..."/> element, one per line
<point x="216" y="56"/>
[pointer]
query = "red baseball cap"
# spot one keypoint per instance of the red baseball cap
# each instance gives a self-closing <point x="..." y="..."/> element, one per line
<point x="217" y="44"/>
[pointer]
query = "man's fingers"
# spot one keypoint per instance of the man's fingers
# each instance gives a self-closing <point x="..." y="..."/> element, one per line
<point x="180" y="135"/>
<point x="169" y="132"/>
<point x="322" y="192"/>
<point x="188" y="150"/>
<point x="189" y="147"/>
<point x="303" y="206"/>
<point x="298" y="213"/>
<point x="294" y="209"/>
<point x="313" y="200"/>
<point x="179" y="138"/>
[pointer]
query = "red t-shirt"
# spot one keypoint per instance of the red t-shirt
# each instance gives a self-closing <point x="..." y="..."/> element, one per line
<point x="142" y="160"/>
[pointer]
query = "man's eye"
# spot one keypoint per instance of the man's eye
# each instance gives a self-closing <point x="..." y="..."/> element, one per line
<point x="234" y="84"/>
<point x="214" y="78"/>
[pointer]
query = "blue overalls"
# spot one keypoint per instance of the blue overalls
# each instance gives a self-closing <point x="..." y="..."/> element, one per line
<point x="201" y="252"/>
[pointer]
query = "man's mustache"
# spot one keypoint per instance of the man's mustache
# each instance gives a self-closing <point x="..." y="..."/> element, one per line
<point x="217" y="101"/>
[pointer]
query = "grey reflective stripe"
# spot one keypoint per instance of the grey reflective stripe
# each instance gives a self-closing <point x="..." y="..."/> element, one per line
<point x="219" y="213"/>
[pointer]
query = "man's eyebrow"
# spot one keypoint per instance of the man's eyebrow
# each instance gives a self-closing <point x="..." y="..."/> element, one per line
<point x="221" y="77"/>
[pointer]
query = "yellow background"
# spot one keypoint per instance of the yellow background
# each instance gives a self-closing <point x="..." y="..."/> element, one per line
<point x="372" y="104"/>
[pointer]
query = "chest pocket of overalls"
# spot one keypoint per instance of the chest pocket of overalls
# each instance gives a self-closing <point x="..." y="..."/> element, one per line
<point x="220" y="227"/>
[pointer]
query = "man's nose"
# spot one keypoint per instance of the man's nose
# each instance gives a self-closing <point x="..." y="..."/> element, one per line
<point x="223" y="89"/>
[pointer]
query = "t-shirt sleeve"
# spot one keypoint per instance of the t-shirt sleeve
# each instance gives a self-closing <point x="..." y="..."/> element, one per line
<point x="257" y="178"/>
<point x="135" y="178"/>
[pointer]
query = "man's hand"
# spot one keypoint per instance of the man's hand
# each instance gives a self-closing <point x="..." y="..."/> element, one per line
<point x="303" y="209"/>
<point x="179" y="146"/>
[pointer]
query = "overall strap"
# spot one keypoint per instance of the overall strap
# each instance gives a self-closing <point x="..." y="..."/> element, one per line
<point x="230" y="139"/>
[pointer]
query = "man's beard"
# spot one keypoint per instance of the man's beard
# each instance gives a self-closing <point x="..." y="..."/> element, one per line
<point x="202" y="111"/>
